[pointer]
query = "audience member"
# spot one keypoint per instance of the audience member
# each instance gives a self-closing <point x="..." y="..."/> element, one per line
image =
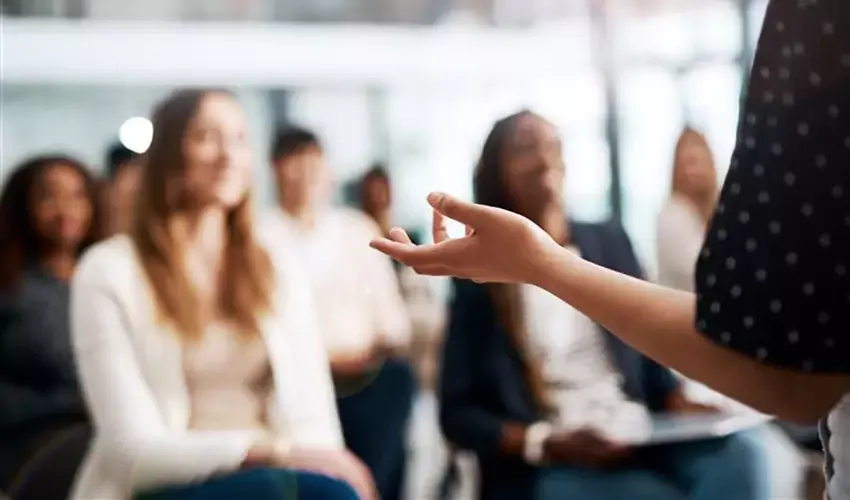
<point x="685" y="216"/>
<point x="426" y="309"/>
<point x="362" y="315"/>
<point x="544" y="396"/>
<point x="48" y="216"/>
<point x="123" y="168"/>
<point x="198" y="353"/>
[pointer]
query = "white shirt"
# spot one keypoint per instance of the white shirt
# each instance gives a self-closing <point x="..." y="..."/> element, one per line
<point x="354" y="287"/>
<point x="681" y="232"/>
<point x="580" y="376"/>
<point x="133" y="380"/>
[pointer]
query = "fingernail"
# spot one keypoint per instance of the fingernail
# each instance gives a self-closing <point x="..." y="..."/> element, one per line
<point x="434" y="198"/>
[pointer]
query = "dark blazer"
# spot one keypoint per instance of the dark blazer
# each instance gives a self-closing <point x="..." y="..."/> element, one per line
<point x="483" y="380"/>
<point x="39" y="393"/>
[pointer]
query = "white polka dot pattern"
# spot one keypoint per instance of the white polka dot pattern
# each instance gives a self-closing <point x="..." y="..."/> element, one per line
<point x="772" y="278"/>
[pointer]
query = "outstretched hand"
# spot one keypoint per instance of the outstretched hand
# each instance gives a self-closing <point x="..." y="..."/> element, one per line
<point x="499" y="246"/>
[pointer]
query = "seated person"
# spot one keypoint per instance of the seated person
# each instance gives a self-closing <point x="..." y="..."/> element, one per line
<point x="198" y="354"/>
<point x="426" y="309"/>
<point x="542" y="395"/>
<point x="123" y="168"/>
<point x="362" y="315"/>
<point x="48" y="216"/>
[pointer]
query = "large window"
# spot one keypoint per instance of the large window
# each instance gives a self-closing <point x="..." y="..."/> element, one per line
<point x="675" y="68"/>
<point x="651" y="117"/>
<point x="343" y="118"/>
<point x="755" y="18"/>
<point x="84" y="120"/>
<point x="578" y="108"/>
<point x="434" y="137"/>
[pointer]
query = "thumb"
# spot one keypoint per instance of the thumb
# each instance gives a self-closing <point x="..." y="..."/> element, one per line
<point x="464" y="212"/>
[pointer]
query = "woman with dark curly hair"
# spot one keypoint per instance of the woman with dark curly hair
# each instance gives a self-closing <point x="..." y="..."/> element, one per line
<point x="48" y="216"/>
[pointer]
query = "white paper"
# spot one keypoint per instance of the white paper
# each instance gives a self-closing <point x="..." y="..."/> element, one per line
<point x="674" y="428"/>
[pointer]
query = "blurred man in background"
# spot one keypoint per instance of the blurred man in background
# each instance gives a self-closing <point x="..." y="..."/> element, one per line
<point x="123" y="169"/>
<point x="362" y="315"/>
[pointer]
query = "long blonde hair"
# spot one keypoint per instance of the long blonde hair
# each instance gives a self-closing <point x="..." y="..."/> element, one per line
<point x="245" y="290"/>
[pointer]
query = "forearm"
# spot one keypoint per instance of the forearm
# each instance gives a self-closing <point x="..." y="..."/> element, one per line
<point x="471" y="428"/>
<point x="513" y="439"/>
<point x="659" y="322"/>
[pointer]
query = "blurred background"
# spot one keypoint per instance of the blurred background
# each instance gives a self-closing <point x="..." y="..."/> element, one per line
<point x="414" y="84"/>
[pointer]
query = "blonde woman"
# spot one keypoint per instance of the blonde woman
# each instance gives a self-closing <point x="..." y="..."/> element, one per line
<point x="684" y="218"/>
<point x="198" y="356"/>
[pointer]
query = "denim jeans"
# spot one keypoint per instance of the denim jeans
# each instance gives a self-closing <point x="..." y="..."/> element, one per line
<point x="374" y="421"/>
<point x="259" y="484"/>
<point x="730" y="468"/>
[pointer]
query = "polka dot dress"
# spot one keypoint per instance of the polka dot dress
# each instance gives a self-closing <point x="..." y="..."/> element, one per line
<point x="773" y="279"/>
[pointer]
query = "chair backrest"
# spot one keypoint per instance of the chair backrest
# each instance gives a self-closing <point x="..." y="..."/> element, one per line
<point x="461" y="481"/>
<point x="50" y="474"/>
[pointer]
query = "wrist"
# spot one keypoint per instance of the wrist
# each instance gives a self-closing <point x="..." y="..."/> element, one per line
<point x="260" y="454"/>
<point x="535" y="446"/>
<point x="545" y="263"/>
<point x="267" y="452"/>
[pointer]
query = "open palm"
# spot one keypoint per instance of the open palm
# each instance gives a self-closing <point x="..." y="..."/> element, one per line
<point x="499" y="246"/>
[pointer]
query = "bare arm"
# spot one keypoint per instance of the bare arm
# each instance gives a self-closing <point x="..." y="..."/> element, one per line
<point x="659" y="321"/>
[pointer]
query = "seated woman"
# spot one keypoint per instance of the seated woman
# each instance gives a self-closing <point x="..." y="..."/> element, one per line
<point x="540" y="393"/>
<point x="198" y="356"/>
<point x="48" y="216"/>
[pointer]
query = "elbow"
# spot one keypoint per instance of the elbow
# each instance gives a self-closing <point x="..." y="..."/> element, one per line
<point x="796" y="400"/>
<point x="452" y="427"/>
<point x="464" y="429"/>
<point x="801" y="410"/>
<point x="788" y="412"/>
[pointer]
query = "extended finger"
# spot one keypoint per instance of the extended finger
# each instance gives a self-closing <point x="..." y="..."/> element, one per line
<point x="438" y="227"/>
<point x="467" y="213"/>
<point x="421" y="255"/>
<point x="400" y="235"/>
<point x="434" y="271"/>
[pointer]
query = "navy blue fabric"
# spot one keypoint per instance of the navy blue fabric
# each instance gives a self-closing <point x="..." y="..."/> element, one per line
<point x="39" y="393"/>
<point x="483" y="380"/>
<point x="374" y="422"/>
<point x="259" y="484"/>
